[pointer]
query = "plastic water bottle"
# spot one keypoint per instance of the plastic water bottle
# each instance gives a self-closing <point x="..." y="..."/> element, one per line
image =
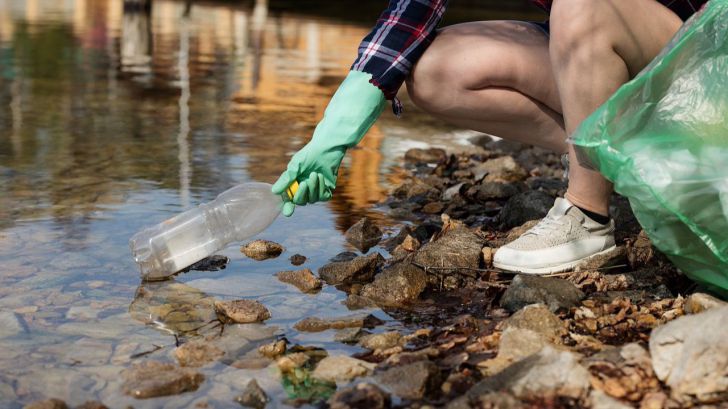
<point x="177" y="243"/>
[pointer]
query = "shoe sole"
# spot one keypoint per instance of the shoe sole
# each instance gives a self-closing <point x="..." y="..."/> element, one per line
<point x="553" y="269"/>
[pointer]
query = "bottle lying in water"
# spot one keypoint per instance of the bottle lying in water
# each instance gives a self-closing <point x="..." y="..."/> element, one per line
<point x="235" y="215"/>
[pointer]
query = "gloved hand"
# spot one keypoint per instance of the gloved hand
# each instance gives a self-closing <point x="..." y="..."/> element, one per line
<point x="353" y="109"/>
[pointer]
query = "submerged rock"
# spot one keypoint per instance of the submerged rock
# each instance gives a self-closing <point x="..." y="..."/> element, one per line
<point x="396" y="285"/>
<point x="241" y="311"/>
<point x="358" y="270"/>
<point x="262" y="249"/>
<point x="212" y="263"/>
<point x="197" y="353"/>
<point x="411" y="381"/>
<point x="150" y="379"/>
<point x="555" y="293"/>
<point x="304" y="280"/>
<point x="315" y="324"/>
<point x="360" y="396"/>
<point x="297" y="259"/>
<point x="253" y="396"/>
<point x="357" y="302"/>
<point x="11" y="324"/>
<point x="690" y="355"/>
<point x="341" y="368"/>
<point x="522" y="207"/>
<point x="47" y="404"/>
<point x="363" y="235"/>
<point x="290" y="362"/>
<point x="273" y="350"/>
<point x="548" y="373"/>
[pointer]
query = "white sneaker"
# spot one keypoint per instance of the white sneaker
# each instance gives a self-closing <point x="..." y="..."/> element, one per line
<point x="563" y="239"/>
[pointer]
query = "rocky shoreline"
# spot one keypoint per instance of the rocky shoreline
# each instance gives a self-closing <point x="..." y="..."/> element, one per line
<point x="624" y="330"/>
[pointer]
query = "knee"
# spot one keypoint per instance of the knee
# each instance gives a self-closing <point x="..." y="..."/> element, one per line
<point x="575" y="24"/>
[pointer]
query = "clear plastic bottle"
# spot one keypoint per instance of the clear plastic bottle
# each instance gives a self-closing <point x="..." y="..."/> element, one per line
<point x="235" y="215"/>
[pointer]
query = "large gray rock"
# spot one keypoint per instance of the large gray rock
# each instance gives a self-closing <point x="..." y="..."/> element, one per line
<point x="359" y="270"/>
<point x="363" y="235"/>
<point x="522" y="207"/>
<point x="410" y="381"/>
<point x="457" y="250"/>
<point x="690" y="354"/>
<point x="548" y="373"/>
<point x="555" y="293"/>
<point x="396" y="285"/>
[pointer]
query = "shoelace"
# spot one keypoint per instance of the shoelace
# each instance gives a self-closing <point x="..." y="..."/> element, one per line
<point x="546" y="225"/>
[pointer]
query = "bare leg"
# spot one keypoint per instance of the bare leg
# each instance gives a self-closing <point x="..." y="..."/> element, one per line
<point x="494" y="77"/>
<point x="596" y="46"/>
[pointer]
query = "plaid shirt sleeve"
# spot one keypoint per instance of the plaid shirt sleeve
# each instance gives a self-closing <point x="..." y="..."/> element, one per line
<point x="402" y="34"/>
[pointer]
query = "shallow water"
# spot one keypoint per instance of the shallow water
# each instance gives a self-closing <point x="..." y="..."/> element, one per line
<point x="111" y="121"/>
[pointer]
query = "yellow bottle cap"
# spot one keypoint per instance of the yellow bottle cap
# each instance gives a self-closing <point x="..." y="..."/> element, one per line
<point x="292" y="189"/>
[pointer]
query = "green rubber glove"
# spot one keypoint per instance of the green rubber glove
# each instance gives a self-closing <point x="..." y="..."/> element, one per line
<point x="353" y="109"/>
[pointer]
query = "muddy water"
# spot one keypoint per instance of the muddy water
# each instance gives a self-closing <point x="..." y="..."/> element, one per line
<point x="113" y="120"/>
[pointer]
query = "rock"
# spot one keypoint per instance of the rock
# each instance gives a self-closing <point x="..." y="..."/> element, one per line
<point x="548" y="373"/>
<point x="297" y="259"/>
<point x="288" y="363"/>
<point x="360" y="396"/>
<point x="451" y="192"/>
<point x="212" y="263"/>
<point x="616" y="256"/>
<point x="690" y="355"/>
<point x="358" y="270"/>
<point x="430" y="155"/>
<point x="253" y="396"/>
<point x="314" y="324"/>
<point x="529" y="205"/>
<point x="241" y="311"/>
<point x="409" y="244"/>
<point x="495" y="191"/>
<point x="539" y="319"/>
<point x="47" y="404"/>
<point x="273" y="350"/>
<point x="150" y="379"/>
<point x="304" y="280"/>
<point x="357" y="302"/>
<point x="600" y="400"/>
<point x="341" y="368"/>
<point x="349" y="335"/>
<point x="396" y="285"/>
<point x="411" y="381"/>
<point x="433" y="208"/>
<point x="456" y="251"/>
<point x="92" y="404"/>
<point x="515" y="344"/>
<point x="640" y="251"/>
<point x="262" y="249"/>
<point x="699" y="302"/>
<point x="623" y="373"/>
<point x="363" y="235"/>
<point x="654" y="400"/>
<point x="197" y="353"/>
<point x="416" y="191"/>
<point x="384" y="340"/>
<point x="11" y="324"/>
<point x="555" y="293"/>
<point x="343" y="256"/>
<point x="503" y="169"/>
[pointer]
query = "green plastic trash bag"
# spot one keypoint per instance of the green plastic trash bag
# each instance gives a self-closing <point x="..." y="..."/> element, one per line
<point x="662" y="139"/>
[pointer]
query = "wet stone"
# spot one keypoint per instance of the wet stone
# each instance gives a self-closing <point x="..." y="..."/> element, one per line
<point x="304" y="280"/>
<point x="153" y="378"/>
<point x="358" y="302"/>
<point x="47" y="404"/>
<point x="273" y="350"/>
<point x="341" y="368"/>
<point x="411" y="381"/>
<point x="297" y="259"/>
<point x="430" y="155"/>
<point x="315" y="324"/>
<point x="358" y="270"/>
<point x="363" y="235"/>
<point x="241" y="311"/>
<point x="253" y="396"/>
<point x="349" y="335"/>
<point x="381" y="341"/>
<point x="555" y="293"/>
<point x="396" y="285"/>
<point x="529" y="205"/>
<point x="212" y="263"/>
<point x="360" y="396"/>
<point x="197" y="353"/>
<point x="262" y="249"/>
